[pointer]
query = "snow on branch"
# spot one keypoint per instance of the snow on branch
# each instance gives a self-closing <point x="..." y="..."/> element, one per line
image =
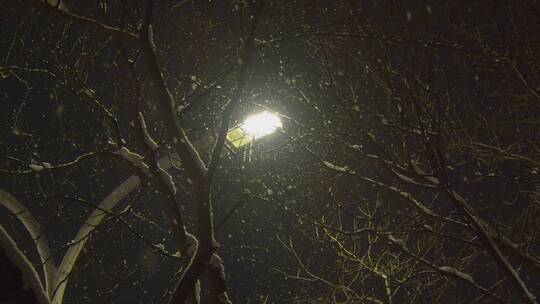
<point x="336" y="167"/>
<point x="192" y="244"/>
<point x="215" y="266"/>
<point x="445" y="270"/>
<point x="93" y="221"/>
<point x="216" y="262"/>
<point x="399" y="242"/>
<point x="167" y="180"/>
<point x="40" y="167"/>
<point x="147" y="138"/>
<point x="62" y="11"/>
<point x="191" y="247"/>
<point x="134" y="158"/>
<point x="457" y="273"/>
<point x="224" y="298"/>
<point x="29" y="276"/>
<point x="489" y="236"/>
<point x="35" y="231"/>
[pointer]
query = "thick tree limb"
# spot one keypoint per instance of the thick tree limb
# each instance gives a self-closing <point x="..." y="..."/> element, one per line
<point x="22" y="284"/>
<point x="38" y="236"/>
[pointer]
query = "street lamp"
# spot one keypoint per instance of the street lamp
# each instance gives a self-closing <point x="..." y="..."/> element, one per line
<point x="254" y="127"/>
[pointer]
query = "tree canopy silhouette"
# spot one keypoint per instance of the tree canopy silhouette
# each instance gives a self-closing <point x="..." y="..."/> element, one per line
<point x="405" y="170"/>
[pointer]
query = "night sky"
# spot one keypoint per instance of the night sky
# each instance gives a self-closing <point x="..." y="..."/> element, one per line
<point x="406" y="169"/>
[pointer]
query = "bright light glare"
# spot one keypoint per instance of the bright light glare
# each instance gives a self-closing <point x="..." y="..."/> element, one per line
<point x="261" y="124"/>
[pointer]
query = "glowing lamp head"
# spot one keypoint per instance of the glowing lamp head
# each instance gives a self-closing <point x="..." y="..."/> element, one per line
<point x="255" y="126"/>
<point x="261" y="124"/>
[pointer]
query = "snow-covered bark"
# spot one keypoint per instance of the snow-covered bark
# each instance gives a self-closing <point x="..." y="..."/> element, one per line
<point x="134" y="158"/>
<point x="216" y="268"/>
<point x="488" y="234"/>
<point x="93" y="221"/>
<point x="34" y="229"/>
<point x="336" y="167"/>
<point x="78" y="242"/>
<point x="29" y="276"/>
<point x="445" y="270"/>
<point x="147" y="138"/>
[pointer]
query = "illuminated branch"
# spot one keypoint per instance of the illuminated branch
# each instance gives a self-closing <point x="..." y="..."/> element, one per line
<point x="25" y="273"/>
<point x="38" y="236"/>
<point x="100" y="27"/>
<point x="92" y="222"/>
